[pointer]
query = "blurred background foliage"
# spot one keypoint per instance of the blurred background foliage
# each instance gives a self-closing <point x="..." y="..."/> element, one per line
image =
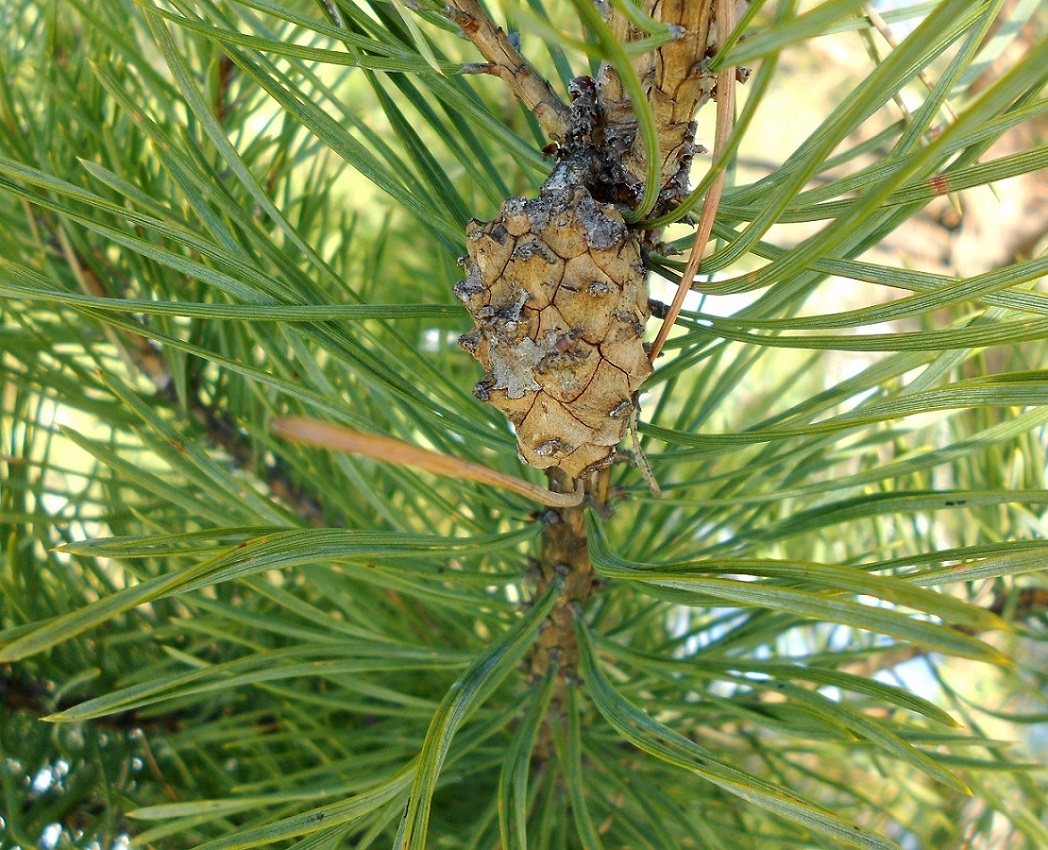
<point x="829" y="629"/>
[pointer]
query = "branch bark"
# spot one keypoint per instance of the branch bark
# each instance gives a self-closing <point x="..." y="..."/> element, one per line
<point x="142" y="355"/>
<point x="675" y="79"/>
<point x="507" y="63"/>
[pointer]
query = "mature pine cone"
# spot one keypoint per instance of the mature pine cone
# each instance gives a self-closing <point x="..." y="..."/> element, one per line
<point x="558" y="297"/>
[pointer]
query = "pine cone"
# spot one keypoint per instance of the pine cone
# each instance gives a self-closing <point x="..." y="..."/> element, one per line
<point x="558" y="298"/>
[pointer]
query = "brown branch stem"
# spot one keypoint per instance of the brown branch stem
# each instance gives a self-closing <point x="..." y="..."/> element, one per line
<point x="136" y="350"/>
<point x="142" y="355"/>
<point x="509" y="65"/>
<point x="565" y="552"/>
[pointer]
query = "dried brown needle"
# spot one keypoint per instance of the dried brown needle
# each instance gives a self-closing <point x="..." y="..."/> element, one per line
<point x="312" y="432"/>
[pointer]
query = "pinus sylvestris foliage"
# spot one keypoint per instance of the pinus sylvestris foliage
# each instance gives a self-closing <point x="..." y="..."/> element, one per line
<point x="273" y="572"/>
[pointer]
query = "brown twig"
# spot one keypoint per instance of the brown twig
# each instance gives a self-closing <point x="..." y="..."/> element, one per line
<point x="926" y="79"/>
<point x="135" y="349"/>
<point x="226" y="436"/>
<point x="142" y="355"/>
<point x="1029" y="603"/>
<point x="506" y="63"/>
